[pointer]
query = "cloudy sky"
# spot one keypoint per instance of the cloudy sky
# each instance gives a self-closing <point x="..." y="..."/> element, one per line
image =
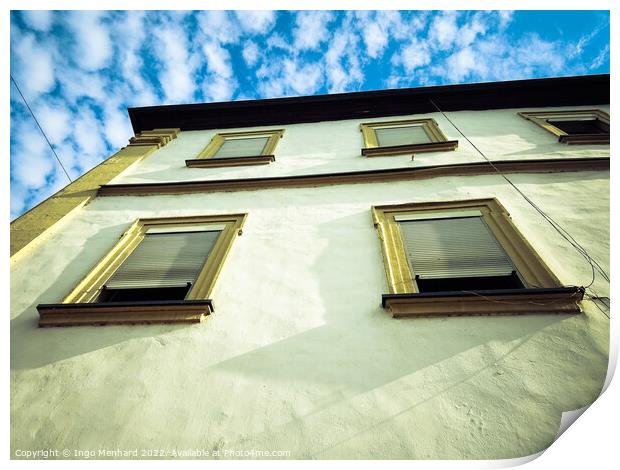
<point x="79" y="71"/>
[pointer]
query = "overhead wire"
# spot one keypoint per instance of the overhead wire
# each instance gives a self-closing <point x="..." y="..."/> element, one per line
<point x="40" y="128"/>
<point x="595" y="266"/>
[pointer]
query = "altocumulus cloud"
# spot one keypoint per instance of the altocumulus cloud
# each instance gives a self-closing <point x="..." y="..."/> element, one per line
<point x="80" y="71"/>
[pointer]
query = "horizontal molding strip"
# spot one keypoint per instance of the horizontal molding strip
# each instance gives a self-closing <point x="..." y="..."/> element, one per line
<point x="553" y="165"/>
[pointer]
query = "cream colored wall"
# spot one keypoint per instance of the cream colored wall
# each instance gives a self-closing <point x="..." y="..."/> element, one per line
<point x="335" y="146"/>
<point x="299" y="356"/>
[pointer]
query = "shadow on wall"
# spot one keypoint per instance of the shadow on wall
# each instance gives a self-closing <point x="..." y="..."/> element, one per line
<point x="356" y="326"/>
<point x="358" y="333"/>
<point x="33" y="347"/>
<point x="362" y="350"/>
<point x="359" y="350"/>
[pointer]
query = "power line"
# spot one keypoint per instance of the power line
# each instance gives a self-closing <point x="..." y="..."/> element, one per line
<point x="564" y="233"/>
<point x="40" y="128"/>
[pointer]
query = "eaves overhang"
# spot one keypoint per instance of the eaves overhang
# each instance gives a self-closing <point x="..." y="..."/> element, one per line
<point x="542" y="92"/>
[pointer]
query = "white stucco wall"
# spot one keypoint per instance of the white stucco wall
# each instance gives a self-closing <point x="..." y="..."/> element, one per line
<point x="299" y="355"/>
<point x="335" y="146"/>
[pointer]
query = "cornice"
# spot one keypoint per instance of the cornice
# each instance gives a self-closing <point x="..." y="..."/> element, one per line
<point x="368" y="176"/>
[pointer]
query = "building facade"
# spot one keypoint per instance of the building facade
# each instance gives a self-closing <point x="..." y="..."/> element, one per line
<point x="417" y="273"/>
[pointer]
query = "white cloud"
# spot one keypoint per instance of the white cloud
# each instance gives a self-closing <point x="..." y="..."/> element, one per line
<point x="600" y="58"/>
<point x="311" y="29"/>
<point x="478" y="51"/>
<point x="218" y="59"/>
<point x="116" y="126"/>
<point x="219" y="84"/>
<point x="257" y="22"/>
<point x="33" y="68"/>
<point x="378" y="28"/>
<point x="416" y="22"/>
<point x="88" y="135"/>
<point x="18" y="199"/>
<point x="342" y="63"/>
<point x="70" y="156"/>
<point x="55" y="120"/>
<point x="443" y="30"/>
<point x="76" y="84"/>
<point x="250" y="53"/>
<point x="41" y="20"/>
<point x="463" y="63"/>
<point x="468" y="33"/>
<point x="392" y="22"/>
<point x="290" y="77"/>
<point x="129" y="38"/>
<point x="92" y="39"/>
<point x="277" y="41"/>
<point x="496" y="59"/>
<point x="505" y="18"/>
<point x="414" y="55"/>
<point x="178" y="68"/>
<point x="376" y="40"/>
<point x="576" y="49"/>
<point x="218" y="26"/>
<point x="31" y="159"/>
<point x="534" y="51"/>
<point x="218" y="88"/>
<point x="303" y="79"/>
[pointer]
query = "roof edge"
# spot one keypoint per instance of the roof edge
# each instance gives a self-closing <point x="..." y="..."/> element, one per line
<point x="538" y="92"/>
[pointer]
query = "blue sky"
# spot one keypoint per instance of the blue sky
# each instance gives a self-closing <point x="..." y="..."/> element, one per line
<point x="80" y="71"/>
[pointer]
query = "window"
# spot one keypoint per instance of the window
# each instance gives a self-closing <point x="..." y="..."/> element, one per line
<point x="573" y="127"/>
<point x="404" y="137"/>
<point x="161" y="271"/>
<point x="238" y="148"/>
<point x="464" y="258"/>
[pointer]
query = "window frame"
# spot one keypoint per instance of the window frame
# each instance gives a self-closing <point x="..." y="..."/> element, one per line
<point x="79" y="307"/>
<point x="438" y="140"/>
<point x="205" y="158"/>
<point x="540" y="119"/>
<point x="404" y="299"/>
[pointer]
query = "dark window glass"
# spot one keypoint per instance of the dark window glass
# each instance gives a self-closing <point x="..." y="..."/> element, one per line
<point x="470" y="283"/>
<point x="142" y="295"/>
<point x="591" y="126"/>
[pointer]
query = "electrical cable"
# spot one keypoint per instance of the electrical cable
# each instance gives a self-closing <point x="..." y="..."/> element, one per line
<point x="595" y="266"/>
<point x="40" y="128"/>
<point x="564" y="233"/>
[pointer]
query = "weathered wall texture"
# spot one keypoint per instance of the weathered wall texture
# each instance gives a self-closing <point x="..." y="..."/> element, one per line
<point x="299" y="355"/>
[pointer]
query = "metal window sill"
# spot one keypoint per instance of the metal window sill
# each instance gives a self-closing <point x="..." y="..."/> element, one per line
<point x="123" y="313"/>
<point x="561" y="300"/>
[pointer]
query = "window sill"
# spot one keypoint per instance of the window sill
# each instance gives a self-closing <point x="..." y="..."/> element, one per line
<point x="446" y="146"/>
<point x="485" y="302"/>
<point x="123" y="313"/>
<point x="230" y="161"/>
<point x="584" y="139"/>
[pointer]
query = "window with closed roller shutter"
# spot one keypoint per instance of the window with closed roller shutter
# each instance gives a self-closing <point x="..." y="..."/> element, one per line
<point x="456" y="254"/>
<point x="163" y="266"/>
